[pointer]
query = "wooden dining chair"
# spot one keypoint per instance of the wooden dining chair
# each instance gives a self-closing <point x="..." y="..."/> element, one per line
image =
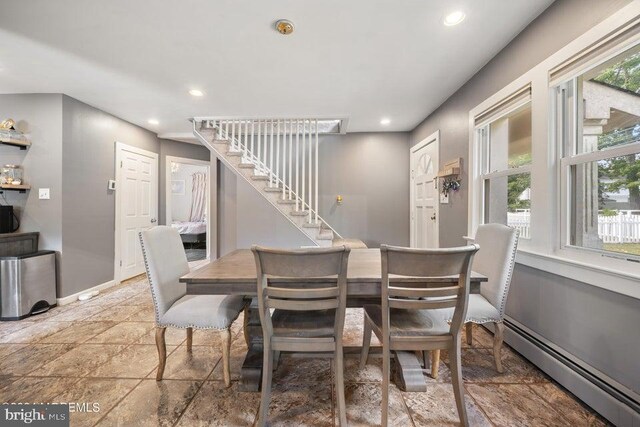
<point x="308" y="319"/>
<point x="165" y="262"/>
<point x="410" y="316"/>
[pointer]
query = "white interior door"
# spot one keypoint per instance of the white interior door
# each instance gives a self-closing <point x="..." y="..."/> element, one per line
<point x="424" y="193"/>
<point x="137" y="185"/>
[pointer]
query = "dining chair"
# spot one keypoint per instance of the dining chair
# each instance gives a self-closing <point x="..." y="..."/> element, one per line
<point x="496" y="262"/>
<point x="306" y="319"/>
<point x="165" y="262"/>
<point x="410" y="316"/>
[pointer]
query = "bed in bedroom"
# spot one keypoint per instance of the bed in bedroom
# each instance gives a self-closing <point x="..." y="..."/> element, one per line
<point x="191" y="232"/>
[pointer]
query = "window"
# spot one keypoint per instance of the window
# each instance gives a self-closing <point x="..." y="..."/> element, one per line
<point x="505" y="171"/>
<point x="599" y="130"/>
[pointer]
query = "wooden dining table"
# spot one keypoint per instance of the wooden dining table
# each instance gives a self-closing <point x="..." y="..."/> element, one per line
<point x="235" y="273"/>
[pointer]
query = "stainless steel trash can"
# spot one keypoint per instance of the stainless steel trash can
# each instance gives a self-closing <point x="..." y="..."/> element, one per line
<point x="27" y="284"/>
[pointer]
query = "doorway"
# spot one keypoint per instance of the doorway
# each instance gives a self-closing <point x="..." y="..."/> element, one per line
<point x="136" y="206"/>
<point x="425" y="220"/>
<point x="187" y="204"/>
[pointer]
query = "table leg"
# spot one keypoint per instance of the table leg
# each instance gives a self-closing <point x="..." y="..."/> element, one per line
<point x="251" y="372"/>
<point x="408" y="372"/>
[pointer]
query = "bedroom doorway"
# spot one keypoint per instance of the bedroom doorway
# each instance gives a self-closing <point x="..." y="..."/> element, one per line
<point x="187" y="203"/>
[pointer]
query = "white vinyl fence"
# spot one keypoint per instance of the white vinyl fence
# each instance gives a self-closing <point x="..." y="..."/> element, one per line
<point x="621" y="228"/>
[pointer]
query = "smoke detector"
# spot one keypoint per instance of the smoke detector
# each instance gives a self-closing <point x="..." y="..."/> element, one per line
<point x="284" y="27"/>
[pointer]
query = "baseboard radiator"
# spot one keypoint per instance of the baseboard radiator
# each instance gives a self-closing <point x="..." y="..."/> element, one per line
<point x="613" y="401"/>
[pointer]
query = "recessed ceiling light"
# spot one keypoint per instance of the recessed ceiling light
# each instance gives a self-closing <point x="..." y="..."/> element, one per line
<point x="454" y="18"/>
<point x="196" y="92"/>
<point x="153" y="122"/>
<point x="385" y="121"/>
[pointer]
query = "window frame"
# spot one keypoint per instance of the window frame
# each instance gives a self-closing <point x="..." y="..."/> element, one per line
<point x="483" y="140"/>
<point x="545" y="250"/>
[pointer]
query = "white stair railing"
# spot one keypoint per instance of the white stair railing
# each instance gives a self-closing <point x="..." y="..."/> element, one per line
<point x="285" y="151"/>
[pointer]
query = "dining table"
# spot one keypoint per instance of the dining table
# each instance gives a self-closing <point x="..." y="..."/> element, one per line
<point x="235" y="274"/>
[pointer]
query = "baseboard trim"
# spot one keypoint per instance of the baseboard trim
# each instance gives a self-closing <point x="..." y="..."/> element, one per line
<point x="71" y="298"/>
<point x="611" y="400"/>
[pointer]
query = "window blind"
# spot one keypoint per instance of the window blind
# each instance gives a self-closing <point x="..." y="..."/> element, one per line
<point x="516" y="99"/>
<point x="618" y="40"/>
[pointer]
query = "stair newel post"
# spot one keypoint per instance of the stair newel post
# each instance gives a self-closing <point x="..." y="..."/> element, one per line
<point x="310" y="170"/>
<point x="297" y="164"/>
<point x="304" y="161"/>
<point x="253" y="127"/>
<point x="290" y="156"/>
<point x="316" y="181"/>
<point x="271" y="156"/>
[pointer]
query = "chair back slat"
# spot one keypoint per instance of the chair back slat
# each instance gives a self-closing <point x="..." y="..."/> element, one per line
<point x="415" y="292"/>
<point x="426" y="262"/>
<point x="273" y="292"/>
<point x="316" y="262"/>
<point x="302" y="305"/>
<point x="417" y="304"/>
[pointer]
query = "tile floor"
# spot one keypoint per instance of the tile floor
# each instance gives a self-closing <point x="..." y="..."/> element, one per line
<point x="102" y="351"/>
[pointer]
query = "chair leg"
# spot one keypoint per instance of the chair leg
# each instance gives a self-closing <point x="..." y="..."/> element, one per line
<point x="189" y="339"/>
<point x="267" y="372"/>
<point x="456" y="381"/>
<point x="469" y="330"/>
<point x="339" y="368"/>
<point x="366" y="343"/>
<point x="162" y="351"/>
<point x="435" y="363"/>
<point x="245" y="325"/>
<point x="386" y="373"/>
<point x="226" y="350"/>
<point x="276" y="359"/>
<point x="498" y="337"/>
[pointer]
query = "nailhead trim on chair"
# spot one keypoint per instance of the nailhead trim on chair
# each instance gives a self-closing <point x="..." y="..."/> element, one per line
<point x="512" y="262"/>
<point x="155" y="301"/>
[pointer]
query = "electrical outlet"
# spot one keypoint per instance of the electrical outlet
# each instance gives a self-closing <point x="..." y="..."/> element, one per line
<point x="444" y="198"/>
<point x="43" y="194"/>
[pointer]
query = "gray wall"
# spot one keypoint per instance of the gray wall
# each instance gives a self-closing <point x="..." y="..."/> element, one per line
<point x="40" y="117"/>
<point x="595" y="325"/>
<point x="562" y="22"/>
<point x="73" y="154"/>
<point x="88" y="217"/>
<point x="370" y="171"/>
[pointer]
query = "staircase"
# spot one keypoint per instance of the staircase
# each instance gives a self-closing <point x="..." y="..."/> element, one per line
<point x="279" y="158"/>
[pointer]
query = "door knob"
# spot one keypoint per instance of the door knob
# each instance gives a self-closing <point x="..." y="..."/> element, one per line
<point x="433" y="217"/>
<point x="153" y="220"/>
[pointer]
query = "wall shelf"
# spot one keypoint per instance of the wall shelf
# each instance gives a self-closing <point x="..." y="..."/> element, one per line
<point x="22" y="144"/>
<point x="22" y="188"/>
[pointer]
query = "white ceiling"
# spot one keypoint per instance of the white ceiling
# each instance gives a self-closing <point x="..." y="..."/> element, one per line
<point x="360" y="59"/>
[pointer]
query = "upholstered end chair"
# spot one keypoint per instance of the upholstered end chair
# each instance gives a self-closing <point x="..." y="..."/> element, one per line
<point x="495" y="259"/>
<point x="165" y="262"/>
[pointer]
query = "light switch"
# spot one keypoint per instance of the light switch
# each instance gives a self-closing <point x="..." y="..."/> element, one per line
<point x="43" y="194"/>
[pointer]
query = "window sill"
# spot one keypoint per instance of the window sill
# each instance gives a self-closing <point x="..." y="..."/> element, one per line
<point x="610" y="274"/>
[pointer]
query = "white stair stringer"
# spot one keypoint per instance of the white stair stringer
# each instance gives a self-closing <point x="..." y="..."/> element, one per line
<point x="320" y="234"/>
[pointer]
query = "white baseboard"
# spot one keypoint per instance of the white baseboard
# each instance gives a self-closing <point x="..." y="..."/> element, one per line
<point x="71" y="298"/>
<point x="601" y="395"/>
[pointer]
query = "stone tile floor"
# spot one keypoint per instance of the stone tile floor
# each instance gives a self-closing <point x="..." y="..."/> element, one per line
<point x="102" y="351"/>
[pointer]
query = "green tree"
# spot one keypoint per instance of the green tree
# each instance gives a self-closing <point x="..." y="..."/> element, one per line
<point x="517" y="184"/>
